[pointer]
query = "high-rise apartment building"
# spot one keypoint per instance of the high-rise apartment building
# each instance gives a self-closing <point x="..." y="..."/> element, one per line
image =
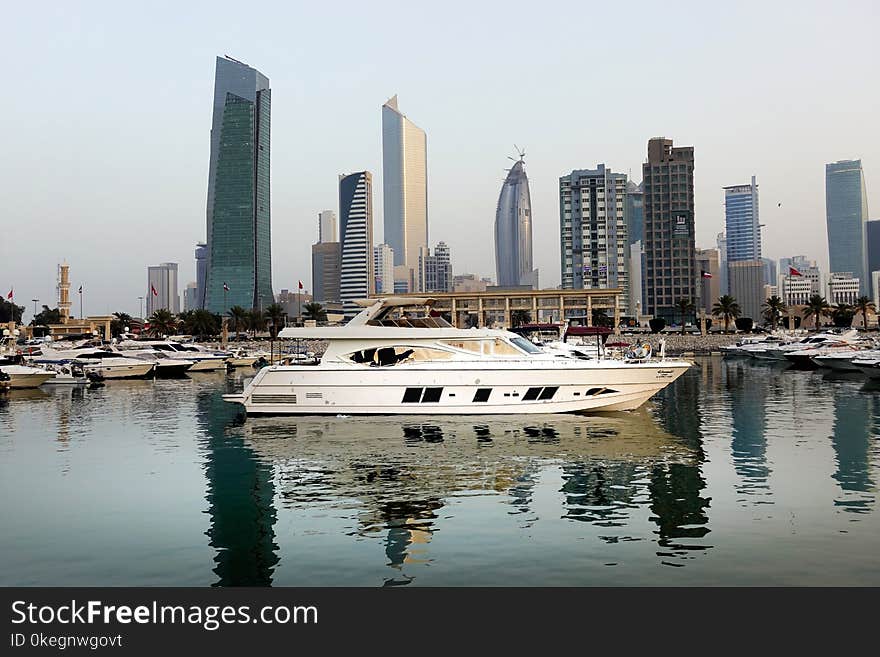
<point x="846" y="215"/>
<point x="383" y="268"/>
<point x="435" y="271"/>
<point x="162" y="288"/>
<point x="513" y="230"/>
<point x="327" y="227"/>
<point x="671" y="272"/>
<point x="201" y="274"/>
<point x="239" y="271"/>
<point x="404" y="185"/>
<point x="356" y="239"/>
<point x="741" y="224"/>
<point x="593" y="232"/>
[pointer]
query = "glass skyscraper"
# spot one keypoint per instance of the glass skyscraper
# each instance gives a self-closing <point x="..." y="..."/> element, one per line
<point x="356" y="279"/>
<point x="741" y="222"/>
<point x="239" y="239"/>
<point x="846" y="214"/>
<point x="513" y="231"/>
<point x="404" y="185"/>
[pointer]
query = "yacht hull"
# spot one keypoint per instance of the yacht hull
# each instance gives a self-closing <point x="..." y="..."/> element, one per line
<point x="23" y="381"/>
<point x="127" y="371"/>
<point x="307" y="390"/>
<point x="169" y="370"/>
<point x="836" y="363"/>
<point x="208" y="365"/>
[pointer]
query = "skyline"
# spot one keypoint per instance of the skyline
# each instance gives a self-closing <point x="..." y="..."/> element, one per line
<point x="65" y="174"/>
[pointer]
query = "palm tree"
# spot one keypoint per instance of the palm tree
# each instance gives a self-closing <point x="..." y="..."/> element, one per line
<point x="842" y="314"/>
<point x="685" y="307"/>
<point x="520" y="317"/>
<point x="773" y="309"/>
<point x="863" y="305"/>
<point x="162" y="322"/>
<point x="726" y="308"/>
<point x="315" y="311"/>
<point x="238" y="319"/>
<point x="256" y="321"/>
<point x="200" y="323"/>
<point x="276" y="316"/>
<point x="818" y="306"/>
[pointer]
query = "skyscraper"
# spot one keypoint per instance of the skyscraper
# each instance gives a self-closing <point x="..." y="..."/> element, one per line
<point x="593" y="232"/>
<point x="747" y="286"/>
<point x="162" y="288"/>
<point x="190" y="296"/>
<point x="671" y="267"/>
<point x="327" y="227"/>
<point x="846" y="214"/>
<point x="239" y="239"/>
<point x="721" y="243"/>
<point x="513" y="230"/>
<point x="326" y="271"/>
<point x="741" y="223"/>
<point x="383" y="268"/>
<point x="404" y="185"/>
<point x="710" y="286"/>
<point x="201" y="274"/>
<point x="356" y="239"/>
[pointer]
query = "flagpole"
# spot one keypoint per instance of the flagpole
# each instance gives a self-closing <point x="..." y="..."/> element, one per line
<point x="81" y="316"/>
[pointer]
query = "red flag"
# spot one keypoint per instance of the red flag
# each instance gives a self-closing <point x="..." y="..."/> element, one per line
<point x="300" y="285"/>
<point x="705" y="274"/>
<point x="793" y="272"/>
<point x="225" y="287"/>
<point x="153" y="290"/>
<point x="10" y="295"/>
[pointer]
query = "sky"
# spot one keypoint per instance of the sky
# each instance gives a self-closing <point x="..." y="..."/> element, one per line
<point x="107" y="111"/>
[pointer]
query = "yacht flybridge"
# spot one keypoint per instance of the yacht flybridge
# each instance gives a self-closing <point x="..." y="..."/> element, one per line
<point x="387" y="361"/>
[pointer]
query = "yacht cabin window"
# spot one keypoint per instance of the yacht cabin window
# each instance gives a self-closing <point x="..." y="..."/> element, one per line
<point x="386" y="356"/>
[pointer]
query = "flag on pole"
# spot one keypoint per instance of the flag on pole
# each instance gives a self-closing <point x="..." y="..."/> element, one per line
<point x="793" y="272"/>
<point x="80" y="289"/>
<point x="11" y="293"/>
<point x="705" y="274"/>
<point x="225" y="287"/>
<point x="154" y="290"/>
<point x="300" y="285"/>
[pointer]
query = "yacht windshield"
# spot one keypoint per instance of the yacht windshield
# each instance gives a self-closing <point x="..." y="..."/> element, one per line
<point x="525" y="345"/>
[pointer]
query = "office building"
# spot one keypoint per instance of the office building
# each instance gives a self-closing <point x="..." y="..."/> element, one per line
<point x="201" y="274"/>
<point x="356" y="239"/>
<point x="239" y="271"/>
<point x="769" y="271"/>
<point x="404" y="185"/>
<point x="671" y="272"/>
<point x="469" y="283"/>
<point x="747" y="286"/>
<point x="293" y="303"/>
<point x="593" y="237"/>
<point x="162" y="288"/>
<point x="435" y="271"/>
<point x="513" y="230"/>
<point x="327" y="227"/>
<point x="741" y="224"/>
<point x="709" y="264"/>
<point x="843" y="288"/>
<point x="846" y="213"/>
<point x="326" y="271"/>
<point x="191" y="296"/>
<point x="405" y="279"/>
<point x="636" y="297"/>
<point x="383" y="268"/>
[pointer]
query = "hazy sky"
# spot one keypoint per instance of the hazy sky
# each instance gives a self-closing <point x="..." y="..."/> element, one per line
<point x="106" y="114"/>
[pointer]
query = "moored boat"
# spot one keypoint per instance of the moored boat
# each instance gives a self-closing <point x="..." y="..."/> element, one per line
<point x="388" y="361"/>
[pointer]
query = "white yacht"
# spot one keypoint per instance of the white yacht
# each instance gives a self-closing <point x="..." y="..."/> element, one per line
<point x="24" y="376"/>
<point x="831" y="343"/>
<point x="96" y="360"/>
<point x="202" y="359"/>
<point x="813" y="340"/>
<point x="385" y="361"/>
<point x="166" y="366"/>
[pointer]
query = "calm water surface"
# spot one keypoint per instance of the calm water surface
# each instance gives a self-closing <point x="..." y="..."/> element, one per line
<point x="737" y="474"/>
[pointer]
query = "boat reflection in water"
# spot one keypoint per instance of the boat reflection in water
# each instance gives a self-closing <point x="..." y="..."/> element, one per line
<point x="400" y="477"/>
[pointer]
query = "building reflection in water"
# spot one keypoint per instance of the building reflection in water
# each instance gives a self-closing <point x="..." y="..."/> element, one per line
<point x="853" y="442"/>
<point x="678" y="506"/>
<point x="748" y="395"/>
<point x="240" y="496"/>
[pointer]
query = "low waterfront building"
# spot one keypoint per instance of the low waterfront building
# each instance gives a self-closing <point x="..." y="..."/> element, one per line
<point x="843" y="287"/>
<point x="495" y="307"/>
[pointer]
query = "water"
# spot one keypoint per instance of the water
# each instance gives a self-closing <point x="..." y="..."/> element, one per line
<point x="737" y="474"/>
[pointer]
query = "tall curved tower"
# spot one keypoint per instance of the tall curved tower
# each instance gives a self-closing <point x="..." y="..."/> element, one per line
<point x="513" y="231"/>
